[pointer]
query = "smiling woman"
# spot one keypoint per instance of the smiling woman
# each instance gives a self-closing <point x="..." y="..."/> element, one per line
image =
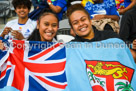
<point x="47" y="26"/>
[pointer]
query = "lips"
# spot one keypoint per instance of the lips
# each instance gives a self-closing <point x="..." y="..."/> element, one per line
<point x="82" y="29"/>
<point x="49" y="34"/>
<point x="22" y="13"/>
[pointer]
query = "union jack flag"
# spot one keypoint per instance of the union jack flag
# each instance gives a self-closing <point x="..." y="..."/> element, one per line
<point x="33" y="66"/>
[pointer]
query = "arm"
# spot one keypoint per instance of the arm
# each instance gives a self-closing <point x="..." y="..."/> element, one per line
<point x="113" y="17"/>
<point x="55" y="9"/>
<point x="122" y="11"/>
<point x="58" y="7"/>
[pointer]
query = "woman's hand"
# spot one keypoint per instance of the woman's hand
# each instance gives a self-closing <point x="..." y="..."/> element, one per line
<point x="18" y="35"/>
<point x="1" y="45"/>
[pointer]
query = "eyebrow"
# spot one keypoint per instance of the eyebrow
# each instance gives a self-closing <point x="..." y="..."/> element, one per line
<point x="80" y="18"/>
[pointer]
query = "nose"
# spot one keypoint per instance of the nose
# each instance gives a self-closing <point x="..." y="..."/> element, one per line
<point x="50" y="28"/>
<point x="80" y="23"/>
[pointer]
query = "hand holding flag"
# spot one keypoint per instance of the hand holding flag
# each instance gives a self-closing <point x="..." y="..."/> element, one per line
<point x="1" y="45"/>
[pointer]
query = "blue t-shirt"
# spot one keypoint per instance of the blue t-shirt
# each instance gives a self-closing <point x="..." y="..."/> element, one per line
<point x="108" y="7"/>
<point x="126" y="3"/>
<point x="62" y="4"/>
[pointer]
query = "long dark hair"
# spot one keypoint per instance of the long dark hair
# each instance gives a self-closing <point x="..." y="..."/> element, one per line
<point x="35" y="36"/>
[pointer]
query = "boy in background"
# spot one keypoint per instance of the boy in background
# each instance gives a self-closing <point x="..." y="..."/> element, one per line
<point x="22" y="27"/>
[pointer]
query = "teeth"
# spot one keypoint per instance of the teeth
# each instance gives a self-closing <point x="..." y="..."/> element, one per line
<point x="49" y="33"/>
<point x="82" y="29"/>
<point x="22" y="12"/>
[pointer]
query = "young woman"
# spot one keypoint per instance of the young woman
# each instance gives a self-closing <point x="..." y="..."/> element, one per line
<point x="47" y="26"/>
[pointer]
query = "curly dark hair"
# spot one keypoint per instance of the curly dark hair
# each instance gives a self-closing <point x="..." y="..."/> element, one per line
<point x="74" y="8"/>
<point x="26" y="3"/>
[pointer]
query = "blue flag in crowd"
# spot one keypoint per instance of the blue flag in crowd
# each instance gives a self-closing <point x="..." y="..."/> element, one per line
<point x="100" y="66"/>
<point x="90" y="66"/>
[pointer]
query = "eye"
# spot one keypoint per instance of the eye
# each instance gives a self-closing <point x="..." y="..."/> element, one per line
<point x="46" y="24"/>
<point x="83" y="19"/>
<point x="54" y="25"/>
<point x="75" y="22"/>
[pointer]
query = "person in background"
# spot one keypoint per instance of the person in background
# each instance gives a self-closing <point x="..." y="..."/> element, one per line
<point x="100" y="9"/>
<point x="128" y="21"/>
<point x="127" y="9"/>
<point x="47" y="26"/>
<point x="124" y="5"/>
<point x="103" y="11"/>
<point x="128" y="29"/>
<point x="58" y="6"/>
<point x="35" y="4"/>
<point x="22" y="27"/>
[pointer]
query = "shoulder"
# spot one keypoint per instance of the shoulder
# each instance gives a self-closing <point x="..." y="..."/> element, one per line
<point x="106" y="34"/>
<point x="12" y="22"/>
<point x="31" y="22"/>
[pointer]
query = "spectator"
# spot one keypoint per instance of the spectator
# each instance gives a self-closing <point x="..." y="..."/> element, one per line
<point x="128" y="29"/>
<point x="57" y="6"/>
<point x="82" y="27"/>
<point x="35" y="4"/>
<point x="125" y="6"/>
<point x="47" y="26"/>
<point x="22" y="27"/>
<point x="128" y="26"/>
<point x="80" y="22"/>
<point x="100" y="10"/>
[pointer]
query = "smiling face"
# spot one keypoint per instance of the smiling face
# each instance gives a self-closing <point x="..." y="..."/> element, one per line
<point x="81" y="24"/>
<point x="22" y="11"/>
<point x="48" y="26"/>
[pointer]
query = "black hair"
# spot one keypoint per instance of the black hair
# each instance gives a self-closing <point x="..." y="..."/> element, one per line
<point x="35" y="36"/>
<point x="47" y="11"/>
<point x="74" y="8"/>
<point x="26" y="3"/>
